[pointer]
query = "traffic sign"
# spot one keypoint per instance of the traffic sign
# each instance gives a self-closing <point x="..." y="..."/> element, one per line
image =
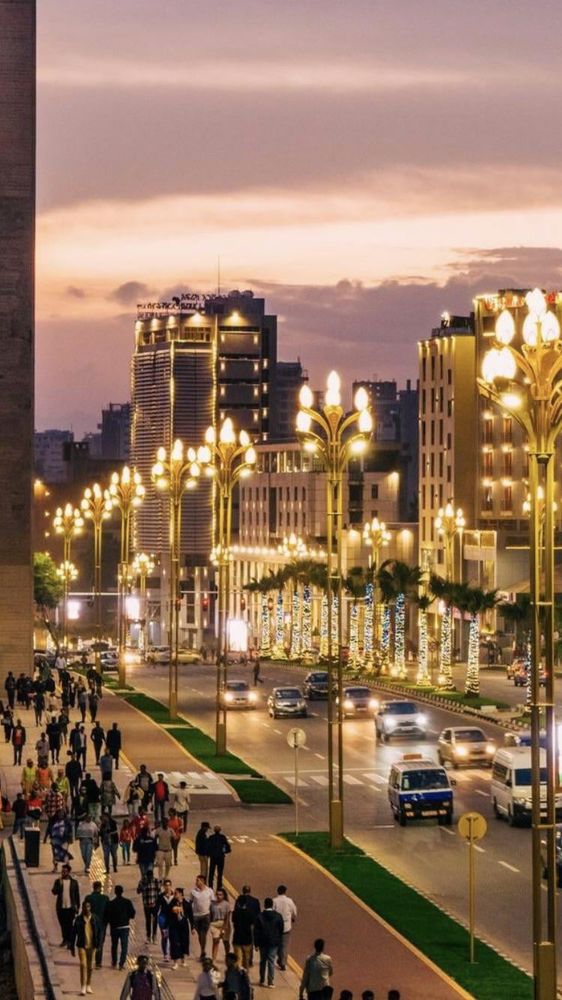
<point x="472" y="826"/>
<point x="296" y="738"/>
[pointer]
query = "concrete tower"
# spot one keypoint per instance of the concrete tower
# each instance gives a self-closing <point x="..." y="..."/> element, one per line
<point x="17" y="237"/>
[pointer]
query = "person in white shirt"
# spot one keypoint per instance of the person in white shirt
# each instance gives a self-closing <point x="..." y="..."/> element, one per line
<point x="180" y="802"/>
<point x="201" y="898"/>
<point x="207" y="985"/>
<point x="284" y="905"/>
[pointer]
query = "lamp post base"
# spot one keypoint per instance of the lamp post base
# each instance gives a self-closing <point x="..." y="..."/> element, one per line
<point x="122" y="674"/>
<point x="173" y="706"/>
<point x="336" y="822"/>
<point x="545" y="971"/>
<point x="221" y="739"/>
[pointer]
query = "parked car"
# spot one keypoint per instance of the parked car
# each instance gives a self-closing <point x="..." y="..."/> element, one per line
<point x="189" y="656"/>
<point x="358" y="700"/>
<point x="463" y="745"/>
<point x="315" y="685"/>
<point x="286" y="701"/>
<point x="399" y="718"/>
<point x="158" y="654"/>
<point x="238" y="694"/>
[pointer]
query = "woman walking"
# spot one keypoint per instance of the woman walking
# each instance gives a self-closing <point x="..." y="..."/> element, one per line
<point x="220" y="923"/>
<point x="125" y="840"/>
<point x="181" y="923"/>
<point x="60" y="834"/>
<point x="86" y="933"/>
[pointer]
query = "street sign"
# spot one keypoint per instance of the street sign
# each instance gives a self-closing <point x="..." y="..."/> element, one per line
<point x="472" y="826"/>
<point x="296" y="738"/>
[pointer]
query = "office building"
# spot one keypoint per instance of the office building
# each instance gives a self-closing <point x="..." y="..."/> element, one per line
<point x="49" y="455"/>
<point x="289" y="377"/>
<point x="115" y="430"/>
<point x="17" y="248"/>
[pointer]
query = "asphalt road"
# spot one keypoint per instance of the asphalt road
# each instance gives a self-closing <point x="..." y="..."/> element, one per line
<point x="432" y="858"/>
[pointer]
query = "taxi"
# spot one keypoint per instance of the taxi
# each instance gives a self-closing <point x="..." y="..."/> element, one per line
<point x="419" y="788"/>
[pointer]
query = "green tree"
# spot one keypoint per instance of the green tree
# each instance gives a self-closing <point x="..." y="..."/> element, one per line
<point x="47" y="589"/>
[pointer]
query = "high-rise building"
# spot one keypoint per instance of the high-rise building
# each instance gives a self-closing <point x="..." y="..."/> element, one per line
<point x="115" y="430"/>
<point x="289" y="377"/>
<point x="17" y="247"/>
<point x="49" y="455"/>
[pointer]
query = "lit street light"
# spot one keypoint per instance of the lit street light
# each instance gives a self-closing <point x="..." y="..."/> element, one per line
<point x="449" y="523"/>
<point x="525" y="382"/>
<point x="96" y="507"/>
<point x="174" y="473"/>
<point x="67" y="573"/>
<point x="335" y="438"/>
<point x="126" y="492"/>
<point x="67" y="522"/>
<point x="143" y="567"/>
<point x="230" y="459"/>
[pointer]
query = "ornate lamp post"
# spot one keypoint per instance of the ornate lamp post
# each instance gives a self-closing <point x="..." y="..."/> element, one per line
<point x="96" y="507"/>
<point x="293" y="547"/>
<point x="67" y="522"/>
<point x="376" y="536"/>
<point x="68" y="573"/>
<point x="334" y="438"/>
<point x="143" y="567"/>
<point x="524" y="380"/>
<point x="230" y="459"/>
<point x="448" y="523"/>
<point x="174" y="473"/>
<point x="126" y="492"/>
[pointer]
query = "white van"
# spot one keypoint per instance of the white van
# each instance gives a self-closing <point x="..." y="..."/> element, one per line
<point x="511" y="785"/>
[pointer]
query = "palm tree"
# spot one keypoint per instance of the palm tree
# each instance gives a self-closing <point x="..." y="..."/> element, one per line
<point x="444" y="591"/>
<point x="423" y="677"/>
<point x="475" y="602"/>
<point x="354" y="584"/>
<point x="403" y="581"/>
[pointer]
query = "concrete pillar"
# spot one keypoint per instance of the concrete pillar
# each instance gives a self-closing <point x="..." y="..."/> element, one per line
<point x="17" y="238"/>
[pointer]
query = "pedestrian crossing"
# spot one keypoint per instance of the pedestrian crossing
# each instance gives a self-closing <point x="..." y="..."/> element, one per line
<point x="376" y="781"/>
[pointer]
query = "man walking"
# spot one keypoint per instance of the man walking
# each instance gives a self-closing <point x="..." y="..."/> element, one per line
<point x="180" y="802"/>
<point x="161" y="795"/>
<point x="120" y="912"/>
<point x="67" y="893"/>
<point x="316" y="973"/>
<point x="144" y="781"/>
<point x="164" y="841"/>
<point x="99" y="902"/>
<point x="243" y="920"/>
<point x="87" y="836"/>
<point x="284" y="905"/>
<point x="97" y="737"/>
<point x="201" y="839"/>
<point x="217" y="849"/>
<point x="54" y="737"/>
<point x="73" y="772"/>
<point x="149" y="890"/>
<point x="144" y="846"/>
<point x="268" y="933"/>
<point x="113" y="743"/>
<point x="141" y="983"/>
<point x="201" y="898"/>
<point x="18" y="741"/>
<point x="10" y="688"/>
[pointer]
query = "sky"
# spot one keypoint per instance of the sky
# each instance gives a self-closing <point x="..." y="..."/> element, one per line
<point x="364" y="164"/>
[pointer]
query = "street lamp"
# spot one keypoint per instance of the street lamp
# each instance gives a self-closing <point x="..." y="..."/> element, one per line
<point x="230" y="459"/>
<point x="375" y="535"/>
<point x="448" y="523"/>
<point x="174" y="473"/>
<point x="334" y="438"/>
<point x="96" y="507"/>
<point x="67" y="573"/>
<point x="525" y="382"/>
<point x="67" y="522"/>
<point x="126" y="493"/>
<point x="143" y="567"/>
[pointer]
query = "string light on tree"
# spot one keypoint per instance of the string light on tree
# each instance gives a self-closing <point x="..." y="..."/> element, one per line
<point x="472" y="668"/>
<point x="295" y="651"/>
<point x="278" y="651"/>
<point x="399" y="636"/>
<point x="445" y="677"/>
<point x="385" y="638"/>
<point x="265" y="646"/>
<point x="423" y="678"/>
<point x="306" y="620"/>
<point x="354" y="635"/>
<point x="368" y="623"/>
<point x="324" y="627"/>
<point x="335" y="623"/>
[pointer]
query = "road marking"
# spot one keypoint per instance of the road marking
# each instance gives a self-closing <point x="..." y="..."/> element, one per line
<point x="481" y="850"/>
<point x="290" y="779"/>
<point x="320" y="757"/>
<point x="480" y="792"/>
<point x="278" y="731"/>
<point x="350" y="780"/>
<point x="266" y="724"/>
<point x="320" y="779"/>
<point x="384" y="826"/>
<point x="445" y="830"/>
<point x="510" y="868"/>
<point x="376" y="777"/>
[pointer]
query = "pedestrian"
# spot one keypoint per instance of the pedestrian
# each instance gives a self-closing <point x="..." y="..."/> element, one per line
<point x="220" y="923"/>
<point x="44" y="777"/>
<point x="284" y="905"/>
<point x="106" y="762"/>
<point x="63" y="725"/>
<point x="93" y="797"/>
<point x="144" y="846"/>
<point x="201" y="898"/>
<point x="54" y="738"/>
<point x="28" y="776"/>
<point x="181" y="923"/>
<point x="125" y="841"/>
<point x="53" y="803"/>
<point x="394" y="995"/>
<point x="82" y="698"/>
<point x="93" y="704"/>
<point x="10" y="688"/>
<point x="133" y="798"/>
<point x="236" y="981"/>
<point x="60" y="835"/>
<point x="217" y="849"/>
<point x="243" y="920"/>
<point x="175" y="827"/>
<point x="19" y="809"/>
<point x="144" y="782"/>
<point x="120" y="912"/>
<point x="35" y="803"/>
<point x="38" y="706"/>
<point x="18" y="738"/>
<point x="109" y="793"/>
<point x="149" y="890"/>
<point x="113" y="743"/>
<point x="77" y="743"/>
<point x="99" y="902"/>
<point x="87" y="835"/>
<point x="109" y="839"/>
<point x="201" y="841"/>
<point x="8" y="723"/>
<point x="316" y="973"/>
<point x="268" y="933"/>
<point x="85" y="936"/>
<point x="67" y="893"/>
<point x="63" y="785"/>
<point x="257" y="671"/>
<point x="164" y="840"/>
<point x="180" y="802"/>
<point x="97" y="737"/>
<point x="207" y="984"/>
<point x="160" y="797"/>
<point x="42" y="749"/>
<point x="346" y="995"/>
<point x="141" y="983"/>
<point x="163" y="907"/>
<point x="73" y="771"/>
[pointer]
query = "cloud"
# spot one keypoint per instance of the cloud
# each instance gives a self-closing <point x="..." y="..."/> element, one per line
<point x="129" y="293"/>
<point x="75" y="293"/>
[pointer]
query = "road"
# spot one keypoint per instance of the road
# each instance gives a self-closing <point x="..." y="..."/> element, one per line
<point x="431" y="858"/>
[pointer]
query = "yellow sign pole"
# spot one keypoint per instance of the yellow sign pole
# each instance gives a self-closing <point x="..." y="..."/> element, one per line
<point x="472" y="827"/>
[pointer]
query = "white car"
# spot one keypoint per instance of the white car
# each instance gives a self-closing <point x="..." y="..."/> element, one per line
<point x="400" y="718"/>
<point x="158" y="654"/>
<point x="238" y="694"/>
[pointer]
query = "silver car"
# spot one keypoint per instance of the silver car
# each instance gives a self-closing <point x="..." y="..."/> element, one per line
<point x="400" y="718"/>
<point x="357" y="701"/>
<point x="286" y="701"/>
<point x="463" y="745"/>
<point x="238" y="694"/>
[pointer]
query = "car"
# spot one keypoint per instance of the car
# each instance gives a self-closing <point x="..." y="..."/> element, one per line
<point x="511" y="785"/>
<point x="520" y="677"/>
<point x="418" y="788"/>
<point x="315" y="685"/>
<point x="189" y="656"/>
<point x="399" y="718"/>
<point x="522" y="738"/>
<point x="358" y="700"/>
<point x="238" y="694"/>
<point x="109" y="662"/>
<point x="158" y="654"/>
<point x="465" y="745"/>
<point x="286" y="701"/>
<point x="518" y="663"/>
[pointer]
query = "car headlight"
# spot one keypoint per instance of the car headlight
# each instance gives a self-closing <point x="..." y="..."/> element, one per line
<point x="253" y="696"/>
<point x="229" y="696"/>
<point x="374" y="704"/>
<point x="460" y="751"/>
<point x="422" y="719"/>
<point x="390" y="723"/>
<point x="490" y="748"/>
<point x="347" y="703"/>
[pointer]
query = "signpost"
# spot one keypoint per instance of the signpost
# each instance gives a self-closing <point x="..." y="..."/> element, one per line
<point x="472" y="827"/>
<point x="296" y="738"/>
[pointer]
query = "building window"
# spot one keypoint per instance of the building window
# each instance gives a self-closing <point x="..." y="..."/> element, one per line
<point x="423" y="434"/>
<point x="449" y="474"/>
<point x="374" y="491"/>
<point x="449" y="407"/>
<point x="487" y="500"/>
<point x="449" y="441"/>
<point x="450" y="376"/>
<point x="303" y="494"/>
<point x="441" y="366"/>
<point x="508" y="463"/>
<point x="432" y="465"/>
<point x="507" y="501"/>
<point x="488" y="431"/>
<point x="424" y="368"/>
<point x="441" y="399"/>
<point x="507" y="430"/>
<point x="441" y="464"/>
<point x="433" y="432"/>
<point x="441" y="432"/>
<point x="488" y="463"/>
<point x="432" y="367"/>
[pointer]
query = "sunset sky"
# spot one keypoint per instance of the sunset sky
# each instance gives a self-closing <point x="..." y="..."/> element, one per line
<point x="365" y="164"/>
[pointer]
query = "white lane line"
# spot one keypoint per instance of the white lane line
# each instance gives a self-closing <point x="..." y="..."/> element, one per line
<point x="350" y="780"/>
<point x="320" y="779"/>
<point x="480" y="850"/>
<point x="378" y="778"/>
<point x="480" y="792"/>
<point x="290" y="779"/>
<point x="266" y="725"/>
<point x="510" y="868"/>
<point x="278" y="731"/>
<point x="320" y="757"/>
<point x="384" y="826"/>
<point x="450" y="832"/>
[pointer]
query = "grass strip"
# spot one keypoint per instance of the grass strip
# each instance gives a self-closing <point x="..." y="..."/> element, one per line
<point x="420" y="921"/>
<point x="258" y="790"/>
